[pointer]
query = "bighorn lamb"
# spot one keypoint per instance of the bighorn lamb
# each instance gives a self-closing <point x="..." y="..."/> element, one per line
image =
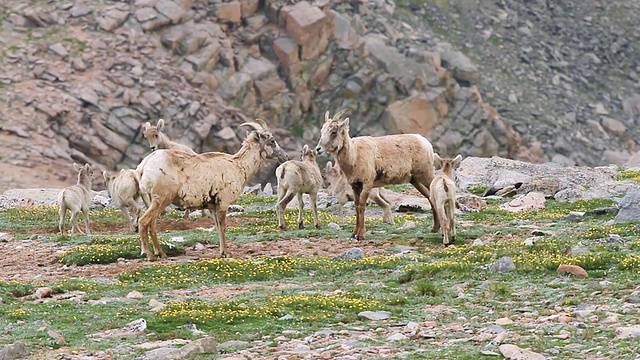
<point x="443" y="197"/>
<point x="296" y="178"/>
<point x="125" y="192"/>
<point x="211" y="181"/>
<point x="159" y="140"/>
<point x="369" y="162"/>
<point x="337" y="185"/>
<point x="76" y="198"/>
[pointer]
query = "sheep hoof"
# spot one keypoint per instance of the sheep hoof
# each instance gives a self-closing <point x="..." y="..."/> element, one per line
<point x="282" y="227"/>
<point x="317" y="226"/>
<point x="300" y="226"/>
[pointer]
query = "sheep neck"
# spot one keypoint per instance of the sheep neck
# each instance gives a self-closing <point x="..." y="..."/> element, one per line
<point x="345" y="157"/>
<point x="249" y="159"/>
<point x="84" y="180"/>
<point x="165" y="142"/>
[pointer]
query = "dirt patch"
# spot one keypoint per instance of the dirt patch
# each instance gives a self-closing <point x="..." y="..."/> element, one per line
<point x="227" y="292"/>
<point x="35" y="260"/>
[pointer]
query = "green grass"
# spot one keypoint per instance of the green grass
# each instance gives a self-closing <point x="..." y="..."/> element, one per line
<point x="244" y="298"/>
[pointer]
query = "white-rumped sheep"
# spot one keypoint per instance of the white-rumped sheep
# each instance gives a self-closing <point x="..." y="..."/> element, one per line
<point x="211" y="181"/>
<point x="337" y="185"/>
<point x="159" y="140"/>
<point x="76" y="198"/>
<point x="294" y="179"/>
<point x="369" y="162"/>
<point x="443" y="197"/>
<point x="124" y="190"/>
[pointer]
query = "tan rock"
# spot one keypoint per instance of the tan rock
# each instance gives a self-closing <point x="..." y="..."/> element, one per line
<point x="268" y="88"/>
<point x="573" y="269"/>
<point x="249" y="7"/>
<point x="513" y="352"/>
<point x="171" y="10"/>
<point x="230" y="12"/>
<point x="613" y="126"/>
<point x="420" y="113"/>
<point x="529" y="202"/>
<point x="286" y="50"/>
<point x="304" y="21"/>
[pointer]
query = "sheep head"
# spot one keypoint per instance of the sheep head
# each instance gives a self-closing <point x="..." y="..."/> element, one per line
<point x="269" y="148"/>
<point x="153" y="134"/>
<point x="307" y="154"/>
<point x="331" y="174"/>
<point x="85" y="173"/>
<point x="447" y="165"/>
<point x="334" y="133"/>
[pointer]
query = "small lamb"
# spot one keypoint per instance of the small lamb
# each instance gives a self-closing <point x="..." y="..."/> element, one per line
<point x="296" y="178"/>
<point x="159" y="140"/>
<point x="442" y="194"/>
<point x="338" y="186"/>
<point x="76" y="198"/>
<point x="124" y="190"/>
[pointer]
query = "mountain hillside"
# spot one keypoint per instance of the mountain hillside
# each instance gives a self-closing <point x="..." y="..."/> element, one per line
<point x="481" y="78"/>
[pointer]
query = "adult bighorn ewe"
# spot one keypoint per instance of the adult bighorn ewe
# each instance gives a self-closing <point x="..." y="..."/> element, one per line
<point x="296" y="178"/>
<point x="76" y="198"/>
<point x="338" y="186"/>
<point x="159" y="140"/>
<point x="369" y="162"/>
<point x="125" y="192"/>
<point x="211" y="181"/>
<point x="443" y="197"/>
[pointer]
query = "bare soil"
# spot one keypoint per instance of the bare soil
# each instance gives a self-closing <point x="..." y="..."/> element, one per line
<point x="35" y="260"/>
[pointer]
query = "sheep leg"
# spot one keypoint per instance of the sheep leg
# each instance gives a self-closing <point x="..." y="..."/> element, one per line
<point x="144" y="224"/>
<point x="451" y="207"/>
<point x="74" y="222"/>
<point x="313" y="198"/>
<point x="383" y="203"/>
<point x="154" y="238"/>
<point x="445" y="223"/>
<point x="85" y="211"/>
<point x="62" y="212"/>
<point x="361" y="193"/>
<point x="285" y="199"/>
<point x="186" y="214"/>
<point x="220" y="217"/>
<point x="300" y="210"/>
<point x="424" y="190"/>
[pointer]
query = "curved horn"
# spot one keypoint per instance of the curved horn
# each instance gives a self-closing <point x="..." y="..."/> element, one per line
<point x="262" y="123"/>
<point x="253" y="125"/>
<point x="337" y="115"/>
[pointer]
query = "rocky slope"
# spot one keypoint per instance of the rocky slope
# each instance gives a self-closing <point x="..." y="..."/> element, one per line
<point x="565" y="74"/>
<point x="80" y="78"/>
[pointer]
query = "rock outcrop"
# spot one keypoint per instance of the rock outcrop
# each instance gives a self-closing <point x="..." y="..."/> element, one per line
<point x="80" y="80"/>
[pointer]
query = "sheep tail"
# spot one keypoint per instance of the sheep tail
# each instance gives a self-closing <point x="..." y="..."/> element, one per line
<point x="444" y="185"/>
<point x="282" y="172"/>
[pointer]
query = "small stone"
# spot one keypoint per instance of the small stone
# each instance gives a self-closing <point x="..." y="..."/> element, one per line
<point x="375" y="315"/>
<point x="199" y="247"/>
<point x="156" y="305"/>
<point x="573" y="269"/>
<point x="513" y="352"/>
<point x="505" y="264"/>
<point x="408" y="225"/>
<point x="628" y="331"/>
<point x="397" y="337"/>
<point x="135" y="295"/>
<point x="504" y="321"/>
<point x="334" y="226"/>
<point x="44" y="292"/>
<point x="268" y="190"/>
<point x="286" y="317"/>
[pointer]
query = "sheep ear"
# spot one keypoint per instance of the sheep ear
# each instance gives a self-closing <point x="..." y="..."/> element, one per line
<point x="345" y="123"/>
<point x="326" y="116"/>
<point x="305" y="148"/>
<point x="160" y="124"/>
<point x="436" y="158"/>
<point x="77" y="167"/>
<point x="146" y="126"/>
<point x="328" y="167"/>
<point x="105" y="175"/>
<point x="457" y="160"/>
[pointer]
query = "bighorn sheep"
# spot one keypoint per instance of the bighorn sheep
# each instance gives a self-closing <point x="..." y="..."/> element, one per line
<point x="296" y="178"/>
<point x="369" y="162"/>
<point x="337" y="185"/>
<point x="76" y="198"/>
<point x="159" y="140"/>
<point x="443" y="197"/>
<point x="125" y="192"/>
<point x="211" y="181"/>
